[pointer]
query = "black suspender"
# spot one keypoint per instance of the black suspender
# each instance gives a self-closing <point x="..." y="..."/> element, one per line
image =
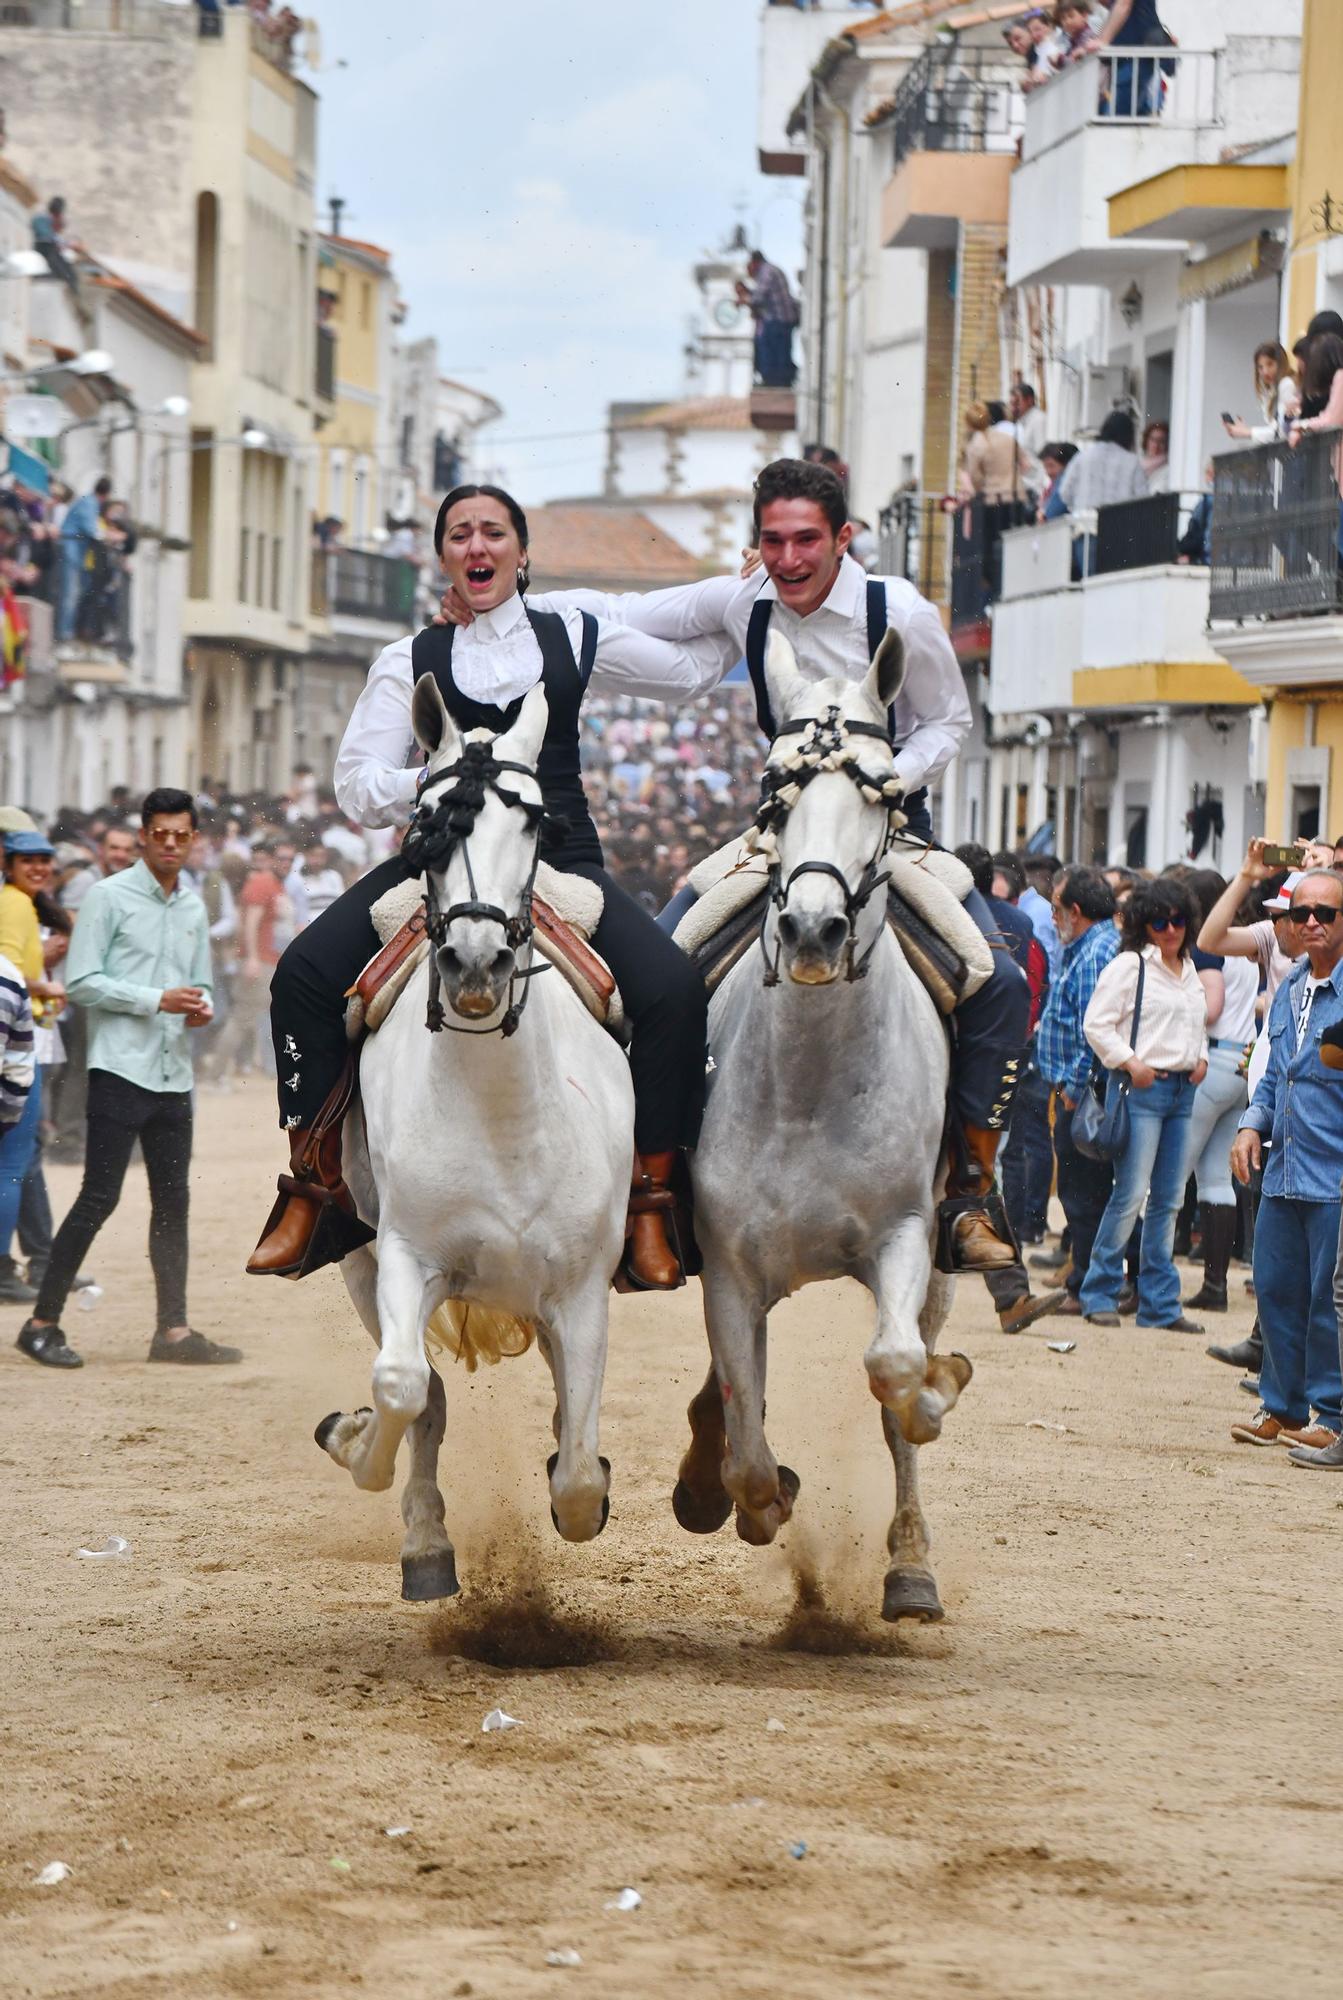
<point x="757" y="636"/>
<point x="587" y="650"/>
<point x="876" y="615"/>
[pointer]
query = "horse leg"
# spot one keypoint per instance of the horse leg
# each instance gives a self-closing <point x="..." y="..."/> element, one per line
<point x="700" y="1501"/>
<point x="428" y="1563"/>
<point x="911" y="1588"/>
<point x="904" y="1375"/>
<point x="366" y="1442"/>
<point x="763" y="1490"/>
<point x="580" y="1478"/>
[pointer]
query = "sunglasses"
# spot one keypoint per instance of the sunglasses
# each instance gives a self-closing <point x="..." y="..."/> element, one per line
<point x="1171" y="923"/>
<point x="1323" y="913"/>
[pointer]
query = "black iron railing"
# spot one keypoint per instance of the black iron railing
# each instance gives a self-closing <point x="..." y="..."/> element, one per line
<point x="912" y="533"/>
<point x="1275" y="530"/>
<point x="354" y="584"/>
<point x="1136" y="534"/>
<point x="956" y="100"/>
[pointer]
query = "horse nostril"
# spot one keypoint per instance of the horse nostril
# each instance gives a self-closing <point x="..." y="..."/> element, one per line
<point x="833" y="935"/>
<point x="787" y="932"/>
<point x="502" y="964"/>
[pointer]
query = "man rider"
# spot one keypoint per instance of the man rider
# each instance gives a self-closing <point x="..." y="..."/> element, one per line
<point x="833" y="615"/>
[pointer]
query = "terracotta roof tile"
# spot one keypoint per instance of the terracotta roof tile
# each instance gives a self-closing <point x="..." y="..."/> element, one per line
<point x="602" y="546"/>
<point x="698" y="413"/>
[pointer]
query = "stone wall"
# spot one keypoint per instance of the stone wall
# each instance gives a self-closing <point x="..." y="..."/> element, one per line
<point x="105" y="120"/>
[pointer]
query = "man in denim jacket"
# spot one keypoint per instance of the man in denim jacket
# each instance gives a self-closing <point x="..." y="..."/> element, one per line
<point x="1299" y="1105"/>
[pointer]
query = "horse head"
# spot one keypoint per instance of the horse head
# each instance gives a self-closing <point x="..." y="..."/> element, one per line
<point x="477" y="828"/>
<point x="829" y="809"/>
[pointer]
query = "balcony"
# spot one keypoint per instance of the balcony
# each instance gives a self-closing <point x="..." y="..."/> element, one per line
<point x="1099" y="127"/>
<point x="103" y="17"/>
<point x="957" y="120"/>
<point x="370" y="590"/>
<point x="1277" y="605"/>
<point x="1097" y="614"/>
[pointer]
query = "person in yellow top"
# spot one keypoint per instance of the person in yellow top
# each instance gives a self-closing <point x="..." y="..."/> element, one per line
<point x="28" y="858"/>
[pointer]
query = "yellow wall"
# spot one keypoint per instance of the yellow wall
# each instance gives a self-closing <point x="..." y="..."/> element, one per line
<point x="1319" y="149"/>
<point x="358" y="313"/>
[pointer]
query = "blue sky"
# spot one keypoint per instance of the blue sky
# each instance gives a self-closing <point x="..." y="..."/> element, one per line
<point x="545" y="172"/>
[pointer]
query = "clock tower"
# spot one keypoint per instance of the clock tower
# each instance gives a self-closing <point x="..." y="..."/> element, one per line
<point x="721" y="339"/>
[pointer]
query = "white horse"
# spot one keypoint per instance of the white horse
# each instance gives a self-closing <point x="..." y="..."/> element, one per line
<point x="820" y="1149"/>
<point x="498" y="1157"/>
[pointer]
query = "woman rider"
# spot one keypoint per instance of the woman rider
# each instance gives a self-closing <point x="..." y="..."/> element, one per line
<point x="483" y="673"/>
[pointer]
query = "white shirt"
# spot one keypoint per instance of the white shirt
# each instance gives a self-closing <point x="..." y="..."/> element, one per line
<point x="932" y="712"/>
<point x="1236" y="1023"/>
<point x="1173" y="1030"/>
<point x="1308" y="991"/>
<point x="496" y="659"/>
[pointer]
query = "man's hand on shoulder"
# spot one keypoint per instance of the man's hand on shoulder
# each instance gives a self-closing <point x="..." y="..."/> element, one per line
<point x="452" y="611"/>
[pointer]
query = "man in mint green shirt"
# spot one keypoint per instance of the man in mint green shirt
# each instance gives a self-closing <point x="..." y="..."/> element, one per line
<point x="139" y="964"/>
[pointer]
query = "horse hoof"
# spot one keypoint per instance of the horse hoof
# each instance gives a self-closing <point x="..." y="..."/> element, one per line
<point x="606" y="1515"/>
<point x="426" y="1578"/>
<point x="325" y="1428"/>
<point x="700" y="1513"/>
<point x="605" y="1465"/>
<point x="911" y="1593"/>
<point x="760" y="1530"/>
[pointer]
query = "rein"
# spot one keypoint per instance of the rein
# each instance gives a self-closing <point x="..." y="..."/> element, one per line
<point x="825" y="747"/>
<point x="435" y="833"/>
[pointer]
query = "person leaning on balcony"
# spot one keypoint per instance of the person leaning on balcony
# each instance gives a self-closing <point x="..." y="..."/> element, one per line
<point x="1054" y="462"/>
<point x="1277" y="393"/>
<point x="993" y="465"/>
<point x="1322" y="384"/>
<point x="1156" y="455"/>
<point x="1106" y="470"/>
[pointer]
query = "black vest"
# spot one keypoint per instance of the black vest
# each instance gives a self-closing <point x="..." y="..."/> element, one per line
<point x="757" y="634"/>
<point x="559" y="766"/>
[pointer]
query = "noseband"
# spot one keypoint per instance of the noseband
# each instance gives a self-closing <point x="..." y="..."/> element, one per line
<point x="825" y="747"/>
<point x="437" y="829"/>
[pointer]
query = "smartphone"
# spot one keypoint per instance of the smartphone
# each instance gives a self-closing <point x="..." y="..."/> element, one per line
<point x="1227" y="417"/>
<point x="1281" y="857"/>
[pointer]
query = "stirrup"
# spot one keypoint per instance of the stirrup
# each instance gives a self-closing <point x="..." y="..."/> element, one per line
<point x="643" y="1201"/>
<point x="335" y="1233"/>
<point x="990" y="1205"/>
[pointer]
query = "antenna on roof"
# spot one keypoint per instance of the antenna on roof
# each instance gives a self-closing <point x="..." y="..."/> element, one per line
<point x="337" y="211"/>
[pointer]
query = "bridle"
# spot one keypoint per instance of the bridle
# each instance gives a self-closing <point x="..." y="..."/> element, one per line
<point x="437" y="830"/>
<point x="825" y="747"/>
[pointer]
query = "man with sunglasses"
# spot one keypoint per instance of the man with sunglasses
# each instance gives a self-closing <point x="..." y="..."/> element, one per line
<point x="1296" y="1240"/>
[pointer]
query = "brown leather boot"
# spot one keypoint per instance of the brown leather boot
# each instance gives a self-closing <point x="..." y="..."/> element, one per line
<point x="651" y="1259"/>
<point x="315" y="1221"/>
<point x="973" y="1217"/>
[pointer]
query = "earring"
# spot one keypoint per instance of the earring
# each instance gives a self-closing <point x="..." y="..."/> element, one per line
<point x="524" y="578"/>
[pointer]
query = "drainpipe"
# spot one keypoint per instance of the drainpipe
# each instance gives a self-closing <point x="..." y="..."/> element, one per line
<point x="837" y="112"/>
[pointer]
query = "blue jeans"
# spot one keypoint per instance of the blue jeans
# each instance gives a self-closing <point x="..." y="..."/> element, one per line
<point x="1295" y="1251"/>
<point x="18" y="1147"/>
<point x="1155" y="1163"/>
<point x="71" y="578"/>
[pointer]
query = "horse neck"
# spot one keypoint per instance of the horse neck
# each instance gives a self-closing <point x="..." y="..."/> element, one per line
<point x="816" y="1041"/>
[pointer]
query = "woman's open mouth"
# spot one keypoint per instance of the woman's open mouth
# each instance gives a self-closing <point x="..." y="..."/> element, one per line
<point x="480" y="576"/>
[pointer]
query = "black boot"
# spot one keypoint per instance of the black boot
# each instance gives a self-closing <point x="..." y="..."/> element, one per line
<point x="1246" y="1354"/>
<point x="1219" y="1232"/>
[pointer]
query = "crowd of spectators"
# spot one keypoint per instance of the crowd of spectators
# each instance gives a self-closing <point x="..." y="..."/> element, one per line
<point x="1050" y="39"/>
<point x="73" y="554"/>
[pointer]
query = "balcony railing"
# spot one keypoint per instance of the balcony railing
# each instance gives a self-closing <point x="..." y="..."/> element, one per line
<point x="957" y="100"/>
<point x="103" y="17"/>
<point x="1172" y="88"/>
<point x="352" y="583"/>
<point x="1276" y="530"/>
<point x="1137" y="534"/>
<point x="325" y="380"/>
<point x="912" y="532"/>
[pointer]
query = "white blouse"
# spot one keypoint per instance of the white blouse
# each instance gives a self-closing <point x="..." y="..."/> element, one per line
<point x="495" y="659"/>
<point x="1173" y="1031"/>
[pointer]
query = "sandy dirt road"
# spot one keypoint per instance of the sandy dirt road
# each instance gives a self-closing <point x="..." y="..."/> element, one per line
<point x="1113" y="1768"/>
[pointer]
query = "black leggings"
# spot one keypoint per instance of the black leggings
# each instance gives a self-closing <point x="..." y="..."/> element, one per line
<point x="663" y="995"/>
<point x="119" y="1113"/>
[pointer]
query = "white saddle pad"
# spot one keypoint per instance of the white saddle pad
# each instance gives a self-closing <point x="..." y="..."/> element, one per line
<point x="933" y="883"/>
<point x="575" y="900"/>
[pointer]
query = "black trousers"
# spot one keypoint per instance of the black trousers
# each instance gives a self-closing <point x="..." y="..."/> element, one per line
<point x="120" y="1112"/>
<point x="663" y="995"/>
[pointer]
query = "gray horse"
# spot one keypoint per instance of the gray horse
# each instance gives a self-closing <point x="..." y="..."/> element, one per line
<point x="819" y="1156"/>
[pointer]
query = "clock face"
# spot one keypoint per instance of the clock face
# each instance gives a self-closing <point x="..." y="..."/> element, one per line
<point x="727" y="314"/>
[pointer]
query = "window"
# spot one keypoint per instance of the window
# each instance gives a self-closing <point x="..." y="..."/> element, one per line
<point x="207" y="269"/>
<point x="202" y="471"/>
<point x="365" y="306"/>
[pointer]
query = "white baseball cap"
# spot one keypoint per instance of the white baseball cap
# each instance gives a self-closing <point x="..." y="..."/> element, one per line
<point x="1283" y="900"/>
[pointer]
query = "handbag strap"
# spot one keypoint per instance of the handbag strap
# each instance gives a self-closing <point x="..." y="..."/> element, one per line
<point x="1137" y="1003"/>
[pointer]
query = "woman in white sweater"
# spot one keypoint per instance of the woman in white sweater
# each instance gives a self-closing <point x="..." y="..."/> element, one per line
<point x="1165" y="1058"/>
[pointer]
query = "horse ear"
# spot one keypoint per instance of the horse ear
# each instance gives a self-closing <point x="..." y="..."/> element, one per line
<point x="429" y="716"/>
<point x="782" y="678"/>
<point x="523" y="741"/>
<point x="886" y="675"/>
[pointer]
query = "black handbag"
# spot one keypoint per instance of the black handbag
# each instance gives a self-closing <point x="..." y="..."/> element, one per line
<point x="1101" y="1120"/>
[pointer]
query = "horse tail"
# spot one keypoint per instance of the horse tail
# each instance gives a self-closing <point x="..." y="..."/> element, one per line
<point x="474" y="1333"/>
